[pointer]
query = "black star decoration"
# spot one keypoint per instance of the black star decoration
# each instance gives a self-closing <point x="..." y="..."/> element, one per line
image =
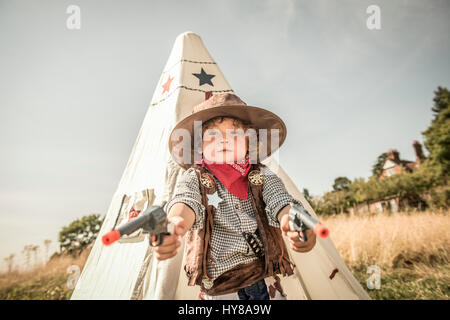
<point x="204" y="77"/>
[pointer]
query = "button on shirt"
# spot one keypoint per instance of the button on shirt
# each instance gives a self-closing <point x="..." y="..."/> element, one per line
<point x="233" y="217"/>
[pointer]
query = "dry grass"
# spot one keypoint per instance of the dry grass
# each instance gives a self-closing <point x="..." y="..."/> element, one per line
<point x="390" y="240"/>
<point x="42" y="282"/>
<point x="411" y="249"/>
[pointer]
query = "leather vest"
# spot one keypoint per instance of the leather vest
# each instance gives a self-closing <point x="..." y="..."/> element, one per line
<point x="275" y="260"/>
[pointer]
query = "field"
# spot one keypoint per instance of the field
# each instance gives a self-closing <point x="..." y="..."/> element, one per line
<point x="411" y="251"/>
<point x="49" y="282"/>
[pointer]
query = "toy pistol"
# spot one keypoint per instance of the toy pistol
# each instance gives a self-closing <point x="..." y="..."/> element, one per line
<point x="301" y="220"/>
<point x="152" y="221"/>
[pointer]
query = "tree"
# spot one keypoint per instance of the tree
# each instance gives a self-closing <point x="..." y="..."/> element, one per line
<point x="437" y="136"/>
<point x="307" y="195"/>
<point x="27" y="253"/>
<point x="35" y="250"/>
<point x="341" y="183"/>
<point x="441" y="100"/>
<point x="47" y="243"/>
<point x="378" y="166"/>
<point x="10" y="262"/>
<point x="80" y="233"/>
<point x="359" y="191"/>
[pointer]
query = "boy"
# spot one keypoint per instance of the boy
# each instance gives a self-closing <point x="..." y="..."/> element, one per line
<point x="231" y="208"/>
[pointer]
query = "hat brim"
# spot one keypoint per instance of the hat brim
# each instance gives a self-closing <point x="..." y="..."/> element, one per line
<point x="258" y="117"/>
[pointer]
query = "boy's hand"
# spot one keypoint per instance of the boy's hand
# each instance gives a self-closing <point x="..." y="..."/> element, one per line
<point x="296" y="243"/>
<point x="168" y="247"/>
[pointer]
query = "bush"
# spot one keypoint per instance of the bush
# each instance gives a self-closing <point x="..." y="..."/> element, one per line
<point x="79" y="234"/>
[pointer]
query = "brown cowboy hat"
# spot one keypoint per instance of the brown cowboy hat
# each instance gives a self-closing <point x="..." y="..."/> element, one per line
<point x="228" y="105"/>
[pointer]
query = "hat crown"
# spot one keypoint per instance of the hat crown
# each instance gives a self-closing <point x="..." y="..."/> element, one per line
<point x="219" y="100"/>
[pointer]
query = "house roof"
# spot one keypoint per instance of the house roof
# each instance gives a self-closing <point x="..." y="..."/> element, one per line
<point x="409" y="165"/>
<point x="394" y="157"/>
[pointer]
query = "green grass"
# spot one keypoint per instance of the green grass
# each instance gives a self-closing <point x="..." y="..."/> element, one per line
<point x="396" y="284"/>
<point x="410" y="283"/>
<point x="45" y="288"/>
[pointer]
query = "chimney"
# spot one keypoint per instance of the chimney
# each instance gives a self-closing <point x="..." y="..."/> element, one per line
<point x="393" y="155"/>
<point x="418" y="149"/>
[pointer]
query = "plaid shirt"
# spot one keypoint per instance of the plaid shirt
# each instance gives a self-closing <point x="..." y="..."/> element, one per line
<point x="233" y="216"/>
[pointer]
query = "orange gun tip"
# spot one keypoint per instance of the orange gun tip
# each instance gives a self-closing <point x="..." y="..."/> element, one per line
<point x="321" y="230"/>
<point x="110" y="237"/>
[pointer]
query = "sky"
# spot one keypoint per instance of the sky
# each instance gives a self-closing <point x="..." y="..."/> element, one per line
<point x="72" y="101"/>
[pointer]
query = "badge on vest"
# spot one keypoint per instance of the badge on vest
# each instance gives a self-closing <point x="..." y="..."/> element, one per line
<point x="207" y="180"/>
<point x="256" y="177"/>
<point x="214" y="199"/>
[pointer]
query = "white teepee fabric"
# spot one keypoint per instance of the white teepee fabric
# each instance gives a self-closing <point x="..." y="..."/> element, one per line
<point x="127" y="269"/>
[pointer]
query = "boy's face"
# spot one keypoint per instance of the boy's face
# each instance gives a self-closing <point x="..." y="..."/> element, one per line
<point x="224" y="142"/>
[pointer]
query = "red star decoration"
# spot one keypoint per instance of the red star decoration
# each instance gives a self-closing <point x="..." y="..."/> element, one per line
<point x="166" y="85"/>
<point x="133" y="213"/>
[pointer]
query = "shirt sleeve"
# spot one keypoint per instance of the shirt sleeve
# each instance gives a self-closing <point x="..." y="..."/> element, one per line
<point x="187" y="191"/>
<point x="275" y="196"/>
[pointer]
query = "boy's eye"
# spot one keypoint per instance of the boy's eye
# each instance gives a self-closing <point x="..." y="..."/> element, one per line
<point x="210" y="132"/>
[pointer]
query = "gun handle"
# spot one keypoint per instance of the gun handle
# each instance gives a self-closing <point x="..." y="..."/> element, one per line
<point x="158" y="238"/>
<point x="304" y="238"/>
<point x="292" y="227"/>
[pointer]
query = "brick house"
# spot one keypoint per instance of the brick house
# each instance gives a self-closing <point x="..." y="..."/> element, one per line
<point x="392" y="165"/>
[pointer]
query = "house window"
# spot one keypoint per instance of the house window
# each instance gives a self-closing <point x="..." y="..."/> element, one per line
<point x="390" y="171"/>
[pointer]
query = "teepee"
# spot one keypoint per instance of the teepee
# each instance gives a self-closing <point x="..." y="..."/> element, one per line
<point x="127" y="269"/>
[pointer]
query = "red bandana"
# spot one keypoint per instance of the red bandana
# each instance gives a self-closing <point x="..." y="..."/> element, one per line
<point x="232" y="175"/>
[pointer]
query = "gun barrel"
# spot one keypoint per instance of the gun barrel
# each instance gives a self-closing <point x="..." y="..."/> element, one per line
<point x="127" y="228"/>
<point x="131" y="226"/>
<point x="310" y="222"/>
<point x="135" y="223"/>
